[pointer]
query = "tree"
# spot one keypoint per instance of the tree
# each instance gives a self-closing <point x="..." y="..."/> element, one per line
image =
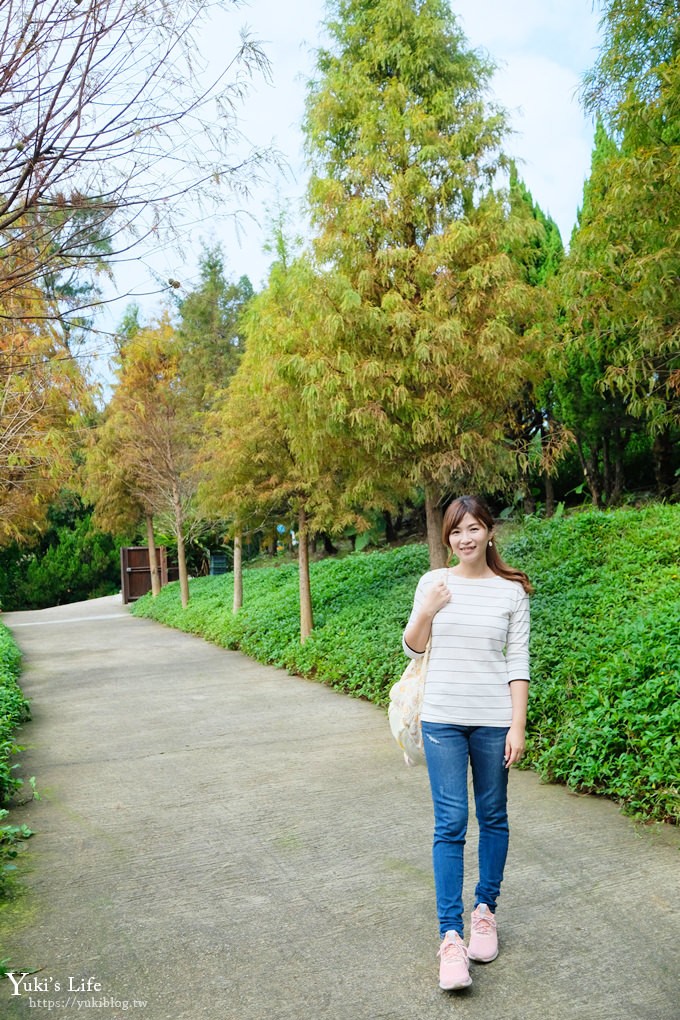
<point x="596" y="416"/>
<point x="537" y="437"/>
<point x="630" y="290"/>
<point x="44" y="397"/>
<point x="102" y="101"/>
<point x="69" y="561"/>
<point x="426" y="346"/>
<point x="109" y="484"/>
<point x="209" y="329"/>
<point x="261" y="463"/>
<point x="149" y="436"/>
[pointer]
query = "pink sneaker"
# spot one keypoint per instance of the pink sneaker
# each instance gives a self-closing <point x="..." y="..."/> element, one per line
<point x="483" y="939"/>
<point x="453" y="963"/>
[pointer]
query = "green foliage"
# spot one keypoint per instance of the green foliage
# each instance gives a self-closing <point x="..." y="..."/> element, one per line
<point x="14" y="710"/>
<point x="626" y="260"/>
<point x="362" y="603"/>
<point x="614" y="372"/>
<point x="422" y="341"/>
<point x="11" y="838"/>
<point x="72" y="562"/>
<point x="209" y="329"/>
<point x="604" y="707"/>
<point x="640" y="41"/>
<point x="544" y="252"/>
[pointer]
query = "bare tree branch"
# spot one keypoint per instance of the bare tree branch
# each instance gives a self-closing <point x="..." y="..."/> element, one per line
<point x="107" y="109"/>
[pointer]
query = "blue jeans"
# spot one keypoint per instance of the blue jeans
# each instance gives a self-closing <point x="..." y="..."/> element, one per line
<point x="447" y="751"/>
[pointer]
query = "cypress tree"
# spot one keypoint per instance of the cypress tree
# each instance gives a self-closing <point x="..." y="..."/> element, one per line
<point x="426" y="344"/>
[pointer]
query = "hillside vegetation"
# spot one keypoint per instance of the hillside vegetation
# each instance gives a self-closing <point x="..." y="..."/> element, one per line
<point x="604" y="706"/>
<point x="13" y="711"/>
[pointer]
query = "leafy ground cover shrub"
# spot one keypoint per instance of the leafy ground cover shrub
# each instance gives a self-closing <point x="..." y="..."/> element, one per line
<point x="604" y="710"/>
<point x="605" y="702"/>
<point x="14" y="710"/>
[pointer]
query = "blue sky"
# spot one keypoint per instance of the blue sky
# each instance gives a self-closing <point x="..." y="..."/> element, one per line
<point x="541" y="47"/>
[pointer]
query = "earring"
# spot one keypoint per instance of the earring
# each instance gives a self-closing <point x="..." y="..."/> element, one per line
<point x="491" y="542"/>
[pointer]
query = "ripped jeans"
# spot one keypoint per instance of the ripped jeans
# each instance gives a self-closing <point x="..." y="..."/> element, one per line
<point x="447" y="751"/>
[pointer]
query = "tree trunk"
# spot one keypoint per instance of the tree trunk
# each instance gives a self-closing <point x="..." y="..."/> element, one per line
<point x="306" y="617"/>
<point x="528" y="498"/>
<point x="549" y="494"/>
<point x="238" y="573"/>
<point x="434" y="517"/>
<point x="181" y="549"/>
<point x="153" y="557"/>
<point x="619" y="476"/>
<point x="390" y="530"/>
<point x="183" y="575"/>
<point x="607" y="483"/>
<point x="591" y="474"/>
<point x="328" y="546"/>
<point x="662" y="452"/>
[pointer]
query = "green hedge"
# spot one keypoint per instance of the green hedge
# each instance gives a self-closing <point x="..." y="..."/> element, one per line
<point x="14" y="710"/>
<point x="604" y="712"/>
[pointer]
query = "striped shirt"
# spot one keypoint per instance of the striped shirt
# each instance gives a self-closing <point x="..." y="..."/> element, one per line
<point x="480" y="642"/>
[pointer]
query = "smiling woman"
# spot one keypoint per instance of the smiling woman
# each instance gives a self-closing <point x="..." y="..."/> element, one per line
<point x="468" y="529"/>
<point x="476" y="615"/>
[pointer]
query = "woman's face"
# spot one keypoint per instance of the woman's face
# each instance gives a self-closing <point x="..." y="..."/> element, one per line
<point x="468" y="541"/>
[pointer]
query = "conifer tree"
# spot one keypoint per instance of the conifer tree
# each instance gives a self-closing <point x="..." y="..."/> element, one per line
<point x="210" y="339"/>
<point x="596" y="415"/>
<point x="632" y="287"/>
<point x="426" y="346"/>
<point x="537" y="438"/>
<point x="265" y="458"/>
<point x="148" y="433"/>
<point x="253" y="471"/>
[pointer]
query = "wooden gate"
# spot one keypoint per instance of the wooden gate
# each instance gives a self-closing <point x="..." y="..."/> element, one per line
<point x="135" y="572"/>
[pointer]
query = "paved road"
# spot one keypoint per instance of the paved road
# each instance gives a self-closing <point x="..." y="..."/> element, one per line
<point x="221" y="841"/>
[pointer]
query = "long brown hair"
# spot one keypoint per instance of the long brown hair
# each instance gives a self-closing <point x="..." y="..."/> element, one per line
<point x="476" y="507"/>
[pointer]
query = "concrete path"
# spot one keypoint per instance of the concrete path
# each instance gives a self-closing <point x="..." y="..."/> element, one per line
<point x="217" y="840"/>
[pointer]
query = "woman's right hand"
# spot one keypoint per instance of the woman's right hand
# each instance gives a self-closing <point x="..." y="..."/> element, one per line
<point x="418" y="631"/>
<point x="436" y="598"/>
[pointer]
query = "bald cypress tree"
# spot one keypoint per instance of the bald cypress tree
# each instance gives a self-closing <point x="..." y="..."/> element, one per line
<point x="426" y="344"/>
<point x="627" y="263"/>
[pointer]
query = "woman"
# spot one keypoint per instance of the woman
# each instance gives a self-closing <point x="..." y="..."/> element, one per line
<point x="476" y="615"/>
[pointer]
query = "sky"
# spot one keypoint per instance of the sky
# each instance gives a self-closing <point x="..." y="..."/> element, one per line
<point x="541" y="49"/>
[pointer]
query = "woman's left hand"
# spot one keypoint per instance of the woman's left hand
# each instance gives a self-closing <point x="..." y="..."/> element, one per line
<point x="514" y="745"/>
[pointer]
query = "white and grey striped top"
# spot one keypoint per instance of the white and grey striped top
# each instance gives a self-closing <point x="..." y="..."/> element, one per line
<point x="480" y="643"/>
